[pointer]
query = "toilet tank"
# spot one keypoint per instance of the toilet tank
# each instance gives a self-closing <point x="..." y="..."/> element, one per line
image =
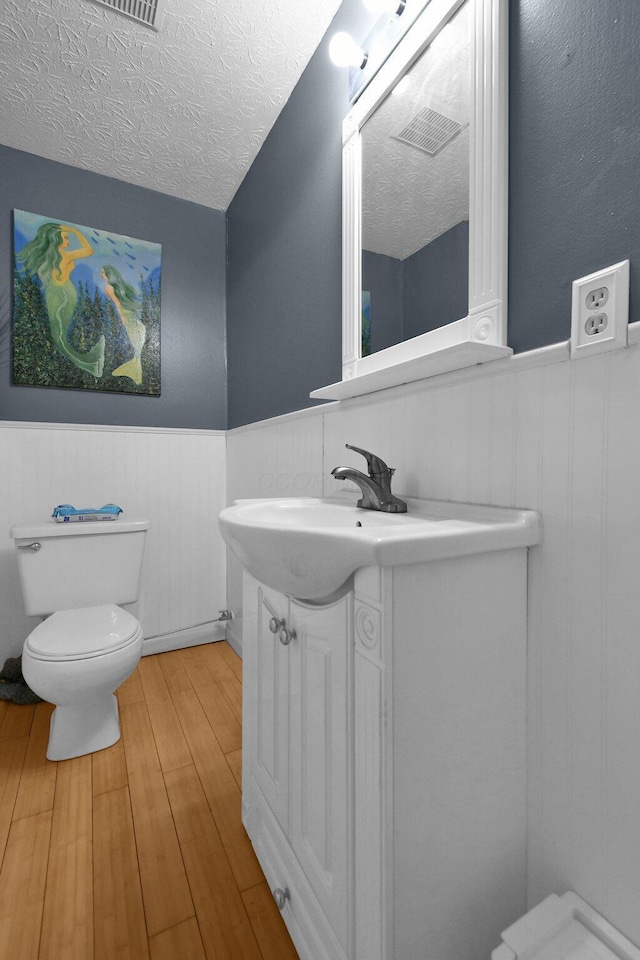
<point x="82" y="564"/>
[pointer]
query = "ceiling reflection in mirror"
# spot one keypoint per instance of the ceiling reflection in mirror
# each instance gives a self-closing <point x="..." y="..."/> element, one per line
<point x="415" y="196"/>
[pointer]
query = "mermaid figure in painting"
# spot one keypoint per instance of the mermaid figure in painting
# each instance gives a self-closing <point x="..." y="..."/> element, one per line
<point x="48" y="255"/>
<point x="124" y="298"/>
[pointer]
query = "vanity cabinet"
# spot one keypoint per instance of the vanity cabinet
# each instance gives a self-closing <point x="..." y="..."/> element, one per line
<point x="297" y="731"/>
<point x="384" y="758"/>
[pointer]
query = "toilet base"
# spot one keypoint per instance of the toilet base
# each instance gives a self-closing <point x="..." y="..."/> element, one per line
<point x="80" y="728"/>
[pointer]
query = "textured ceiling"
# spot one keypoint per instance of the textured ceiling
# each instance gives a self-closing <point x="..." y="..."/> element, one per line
<point x="184" y="110"/>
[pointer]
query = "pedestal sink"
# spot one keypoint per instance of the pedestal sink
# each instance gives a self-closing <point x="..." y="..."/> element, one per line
<point x="309" y="547"/>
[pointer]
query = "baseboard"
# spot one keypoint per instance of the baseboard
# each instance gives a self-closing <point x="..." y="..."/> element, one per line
<point x="234" y="635"/>
<point x="190" y="637"/>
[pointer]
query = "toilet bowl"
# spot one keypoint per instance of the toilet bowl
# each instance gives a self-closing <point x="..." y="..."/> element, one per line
<point x="76" y="659"/>
<point x="76" y="575"/>
<point x="564" y="928"/>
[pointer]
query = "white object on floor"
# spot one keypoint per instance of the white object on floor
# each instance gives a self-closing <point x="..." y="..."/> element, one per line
<point x="74" y="576"/>
<point x="564" y="928"/>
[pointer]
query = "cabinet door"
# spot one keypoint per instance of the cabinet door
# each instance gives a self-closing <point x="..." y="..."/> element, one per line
<point x="320" y="827"/>
<point x="266" y="701"/>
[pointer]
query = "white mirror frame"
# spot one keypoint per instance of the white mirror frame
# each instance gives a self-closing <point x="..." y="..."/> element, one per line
<point x="482" y="334"/>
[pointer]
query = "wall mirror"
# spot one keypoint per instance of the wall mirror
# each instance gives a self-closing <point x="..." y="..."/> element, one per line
<point x="425" y="204"/>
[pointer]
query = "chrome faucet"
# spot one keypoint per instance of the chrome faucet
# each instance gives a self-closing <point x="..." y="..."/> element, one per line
<point x="375" y="488"/>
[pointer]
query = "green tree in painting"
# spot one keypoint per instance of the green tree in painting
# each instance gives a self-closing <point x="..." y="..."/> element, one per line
<point x="36" y="360"/>
<point x="51" y="258"/>
<point x="150" y="315"/>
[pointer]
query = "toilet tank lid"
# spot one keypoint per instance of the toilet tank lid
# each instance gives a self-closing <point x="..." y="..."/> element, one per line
<point x="50" y="528"/>
<point x="564" y="927"/>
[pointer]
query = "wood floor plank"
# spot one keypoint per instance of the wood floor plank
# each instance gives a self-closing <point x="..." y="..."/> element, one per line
<point x="172" y="666"/>
<point x="220" y="788"/>
<point x="221" y="653"/>
<point x="120" y="931"/>
<point x="206" y="660"/>
<point x="221" y="716"/>
<point x="16" y="721"/>
<point x="222" y="918"/>
<point x="109" y="769"/>
<point x="179" y="943"/>
<point x="22" y="886"/>
<point x="12" y="754"/>
<point x="234" y="760"/>
<point x="38" y="781"/>
<point x="165" y="890"/>
<point x="170" y="742"/>
<point x="268" y="925"/>
<point x="67" y="922"/>
<point x="131" y="690"/>
<point x="232" y="692"/>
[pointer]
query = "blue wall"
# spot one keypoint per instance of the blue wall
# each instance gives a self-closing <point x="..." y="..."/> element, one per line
<point x="574" y="199"/>
<point x="574" y="185"/>
<point x="193" y="365"/>
<point x="382" y="277"/>
<point x="436" y="282"/>
<point x="284" y="326"/>
<point x="424" y="291"/>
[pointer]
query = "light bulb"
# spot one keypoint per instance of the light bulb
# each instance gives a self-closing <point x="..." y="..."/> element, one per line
<point x="345" y="52"/>
<point x="394" y="7"/>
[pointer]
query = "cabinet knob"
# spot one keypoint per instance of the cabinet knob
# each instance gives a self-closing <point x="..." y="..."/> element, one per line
<point x="286" y="636"/>
<point x="281" y="896"/>
<point x="275" y="624"/>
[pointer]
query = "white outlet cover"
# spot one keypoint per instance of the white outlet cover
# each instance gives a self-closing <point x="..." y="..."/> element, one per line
<point x="616" y="310"/>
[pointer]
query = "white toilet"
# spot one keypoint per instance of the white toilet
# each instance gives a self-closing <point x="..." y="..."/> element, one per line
<point x="75" y="574"/>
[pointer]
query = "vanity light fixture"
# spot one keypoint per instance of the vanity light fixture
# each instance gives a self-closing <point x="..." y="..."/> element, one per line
<point x="345" y="52"/>
<point x="343" y="49"/>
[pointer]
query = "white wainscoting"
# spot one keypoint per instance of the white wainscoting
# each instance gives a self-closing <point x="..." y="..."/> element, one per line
<point x="275" y="458"/>
<point x="562" y="437"/>
<point x="175" y="478"/>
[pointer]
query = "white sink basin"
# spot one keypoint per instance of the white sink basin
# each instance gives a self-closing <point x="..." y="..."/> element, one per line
<point x="309" y="547"/>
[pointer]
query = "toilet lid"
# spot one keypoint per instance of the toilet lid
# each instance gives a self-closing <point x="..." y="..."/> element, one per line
<point x="564" y="928"/>
<point x="85" y="632"/>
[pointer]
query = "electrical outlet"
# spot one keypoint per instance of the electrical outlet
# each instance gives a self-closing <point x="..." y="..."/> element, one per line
<point x="596" y="324"/>
<point x="600" y="310"/>
<point x="596" y="298"/>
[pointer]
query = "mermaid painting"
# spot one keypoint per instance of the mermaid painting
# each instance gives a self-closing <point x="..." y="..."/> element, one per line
<point x="86" y="307"/>
<point x="51" y="257"/>
<point x="125" y="300"/>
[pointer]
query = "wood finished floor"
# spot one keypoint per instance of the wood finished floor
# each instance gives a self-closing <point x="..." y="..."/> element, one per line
<point x="137" y="851"/>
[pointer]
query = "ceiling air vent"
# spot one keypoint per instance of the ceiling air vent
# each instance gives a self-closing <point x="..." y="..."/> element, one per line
<point x="429" y="131"/>
<point x="144" y="11"/>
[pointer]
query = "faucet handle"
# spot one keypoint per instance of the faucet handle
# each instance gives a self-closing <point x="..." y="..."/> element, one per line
<point x="375" y="464"/>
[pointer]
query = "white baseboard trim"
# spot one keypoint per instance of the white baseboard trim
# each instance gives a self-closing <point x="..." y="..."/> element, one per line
<point x="190" y="637"/>
<point x="234" y="636"/>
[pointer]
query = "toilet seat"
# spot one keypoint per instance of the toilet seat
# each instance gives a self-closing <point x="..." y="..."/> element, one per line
<point x="564" y="928"/>
<point x="83" y="633"/>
